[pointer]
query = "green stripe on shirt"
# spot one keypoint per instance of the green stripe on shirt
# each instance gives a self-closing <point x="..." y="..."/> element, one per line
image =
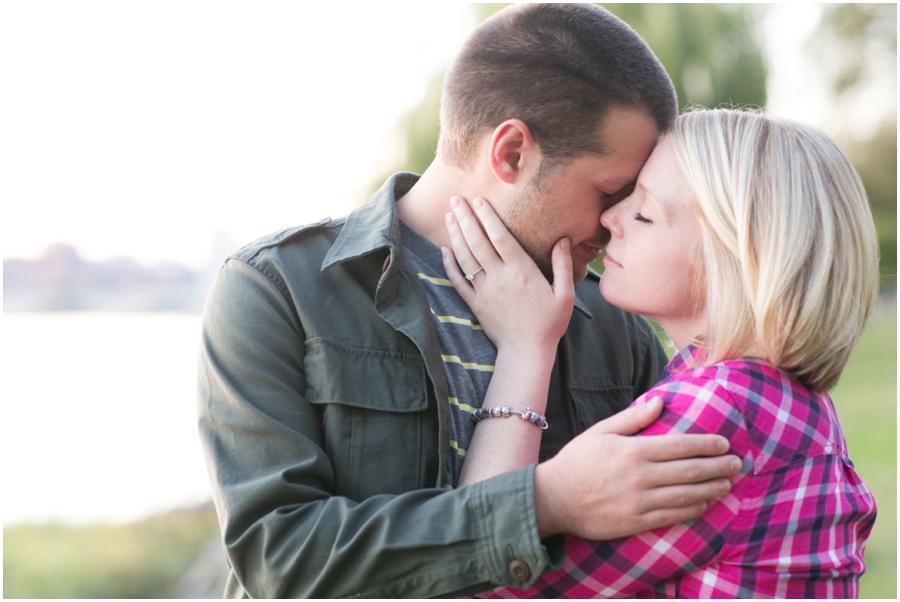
<point x="433" y="280"/>
<point x="455" y="320"/>
<point x="454" y="359"/>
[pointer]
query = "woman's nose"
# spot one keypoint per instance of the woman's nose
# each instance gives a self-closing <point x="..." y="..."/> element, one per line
<point x="609" y="219"/>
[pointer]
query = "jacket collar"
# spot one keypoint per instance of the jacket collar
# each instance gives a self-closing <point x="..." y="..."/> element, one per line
<point x="375" y="226"/>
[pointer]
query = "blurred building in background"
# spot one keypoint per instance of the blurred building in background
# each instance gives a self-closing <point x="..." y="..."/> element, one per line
<point x="62" y="280"/>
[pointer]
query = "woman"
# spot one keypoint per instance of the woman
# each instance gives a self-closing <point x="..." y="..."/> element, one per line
<point x="750" y="240"/>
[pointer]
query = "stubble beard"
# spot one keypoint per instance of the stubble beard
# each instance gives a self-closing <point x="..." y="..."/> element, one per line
<point x="527" y="221"/>
<point x="544" y="260"/>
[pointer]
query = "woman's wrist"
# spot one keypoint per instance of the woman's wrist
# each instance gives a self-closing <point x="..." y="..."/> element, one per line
<point x="530" y="355"/>
<point x="527" y="370"/>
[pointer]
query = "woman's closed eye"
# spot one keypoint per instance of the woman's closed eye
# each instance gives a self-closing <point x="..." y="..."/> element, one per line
<point x="641" y="218"/>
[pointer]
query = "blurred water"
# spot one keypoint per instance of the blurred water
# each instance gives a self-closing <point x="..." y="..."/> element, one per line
<point x="99" y="416"/>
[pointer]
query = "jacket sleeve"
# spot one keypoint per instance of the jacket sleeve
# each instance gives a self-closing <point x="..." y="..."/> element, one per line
<point x="285" y="533"/>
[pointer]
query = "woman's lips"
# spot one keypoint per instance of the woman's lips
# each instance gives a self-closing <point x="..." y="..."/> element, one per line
<point x="609" y="262"/>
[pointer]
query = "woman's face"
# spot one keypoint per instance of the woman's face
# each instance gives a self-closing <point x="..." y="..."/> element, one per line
<point x="653" y="262"/>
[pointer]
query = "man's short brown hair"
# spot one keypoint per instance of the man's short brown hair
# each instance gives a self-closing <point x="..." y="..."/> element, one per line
<point x="557" y="67"/>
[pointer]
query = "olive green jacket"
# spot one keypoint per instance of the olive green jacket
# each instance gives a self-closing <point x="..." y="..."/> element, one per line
<point x="324" y="420"/>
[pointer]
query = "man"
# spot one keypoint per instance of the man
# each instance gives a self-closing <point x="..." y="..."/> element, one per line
<point x="339" y="371"/>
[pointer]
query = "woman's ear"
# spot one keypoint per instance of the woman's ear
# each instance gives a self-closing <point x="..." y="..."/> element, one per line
<point x="513" y="151"/>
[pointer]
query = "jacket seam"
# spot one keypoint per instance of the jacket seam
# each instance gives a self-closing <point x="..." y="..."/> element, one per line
<point x="485" y="550"/>
<point x="416" y="575"/>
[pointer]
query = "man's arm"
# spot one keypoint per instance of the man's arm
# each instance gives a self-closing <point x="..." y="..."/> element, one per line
<point x="286" y="533"/>
<point x="646" y="482"/>
<point x="621" y="567"/>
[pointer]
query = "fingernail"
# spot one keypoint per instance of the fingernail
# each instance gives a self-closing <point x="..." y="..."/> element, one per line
<point x="736" y="465"/>
<point x="454" y="201"/>
<point x="444" y="252"/>
<point x="449" y="219"/>
<point x="478" y="202"/>
<point x="566" y="244"/>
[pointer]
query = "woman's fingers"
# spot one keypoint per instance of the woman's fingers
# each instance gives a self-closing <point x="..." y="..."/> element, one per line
<point x="456" y="277"/>
<point x="563" y="284"/>
<point x="474" y="249"/>
<point x="460" y="246"/>
<point x="504" y="243"/>
<point x="486" y="235"/>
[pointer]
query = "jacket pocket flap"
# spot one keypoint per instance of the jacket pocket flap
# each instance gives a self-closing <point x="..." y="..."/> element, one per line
<point x="364" y="378"/>
<point x="595" y="404"/>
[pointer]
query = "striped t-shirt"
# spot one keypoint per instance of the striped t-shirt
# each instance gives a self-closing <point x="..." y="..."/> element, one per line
<point x="467" y="352"/>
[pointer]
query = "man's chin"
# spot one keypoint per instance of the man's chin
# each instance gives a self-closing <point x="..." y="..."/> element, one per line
<point x="545" y="265"/>
<point x="579" y="272"/>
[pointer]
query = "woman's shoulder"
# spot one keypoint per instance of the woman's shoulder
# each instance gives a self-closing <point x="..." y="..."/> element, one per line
<point x="783" y="421"/>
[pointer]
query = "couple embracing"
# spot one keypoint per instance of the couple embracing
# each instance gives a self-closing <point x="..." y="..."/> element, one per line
<point x="436" y="396"/>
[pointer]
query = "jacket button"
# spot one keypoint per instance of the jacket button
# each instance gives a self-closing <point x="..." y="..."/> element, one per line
<point x="519" y="570"/>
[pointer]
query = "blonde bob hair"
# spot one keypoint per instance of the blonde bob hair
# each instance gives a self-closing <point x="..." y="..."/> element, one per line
<point x="790" y="250"/>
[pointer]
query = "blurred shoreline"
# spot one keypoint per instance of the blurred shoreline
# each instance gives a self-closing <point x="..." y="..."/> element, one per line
<point x="62" y="280"/>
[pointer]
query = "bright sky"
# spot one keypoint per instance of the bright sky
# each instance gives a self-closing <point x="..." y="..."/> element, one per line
<point x="143" y="128"/>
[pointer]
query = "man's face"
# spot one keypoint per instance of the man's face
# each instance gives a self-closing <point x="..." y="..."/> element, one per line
<point x="569" y="199"/>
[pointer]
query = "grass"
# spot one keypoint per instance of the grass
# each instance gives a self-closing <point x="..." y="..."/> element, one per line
<point x="144" y="559"/>
<point x="866" y="401"/>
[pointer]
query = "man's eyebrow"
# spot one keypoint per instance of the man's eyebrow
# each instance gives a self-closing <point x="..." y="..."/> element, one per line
<point x="618" y="189"/>
<point x="640" y="186"/>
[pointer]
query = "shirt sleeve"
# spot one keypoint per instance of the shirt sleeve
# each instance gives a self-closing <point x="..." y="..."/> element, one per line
<point x="626" y="566"/>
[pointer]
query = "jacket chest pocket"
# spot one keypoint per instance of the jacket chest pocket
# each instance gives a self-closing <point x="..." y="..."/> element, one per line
<point x="376" y="426"/>
<point x="591" y="405"/>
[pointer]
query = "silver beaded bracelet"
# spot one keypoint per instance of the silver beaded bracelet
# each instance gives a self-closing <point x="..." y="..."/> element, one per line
<point x="504" y="412"/>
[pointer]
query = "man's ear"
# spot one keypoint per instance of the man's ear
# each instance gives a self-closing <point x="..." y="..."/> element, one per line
<point x="513" y="151"/>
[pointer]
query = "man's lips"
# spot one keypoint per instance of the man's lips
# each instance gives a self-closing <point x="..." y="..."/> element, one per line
<point x="590" y="249"/>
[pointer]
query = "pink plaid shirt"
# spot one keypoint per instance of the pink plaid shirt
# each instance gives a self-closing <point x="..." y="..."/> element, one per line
<point x="794" y="525"/>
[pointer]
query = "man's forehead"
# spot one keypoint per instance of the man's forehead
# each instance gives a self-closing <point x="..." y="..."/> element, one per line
<point x="622" y="168"/>
<point x="629" y="137"/>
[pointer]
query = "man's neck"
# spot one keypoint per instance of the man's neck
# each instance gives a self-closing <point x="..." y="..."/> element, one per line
<point x="424" y="206"/>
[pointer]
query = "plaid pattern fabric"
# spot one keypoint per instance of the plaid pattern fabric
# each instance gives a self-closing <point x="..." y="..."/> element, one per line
<point x="794" y="525"/>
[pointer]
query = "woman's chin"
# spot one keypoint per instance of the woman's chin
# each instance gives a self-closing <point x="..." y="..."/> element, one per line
<point x="610" y="291"/>
<point x="620" y="298"/>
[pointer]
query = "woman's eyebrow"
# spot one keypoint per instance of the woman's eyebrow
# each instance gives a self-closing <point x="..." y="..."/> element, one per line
<point x="651" y="196"/>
